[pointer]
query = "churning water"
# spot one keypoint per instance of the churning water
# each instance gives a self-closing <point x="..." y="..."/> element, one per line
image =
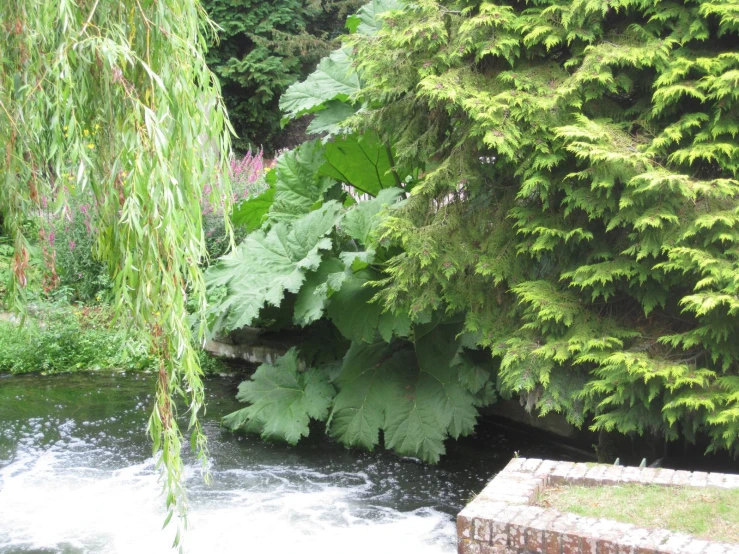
<point x="77" y="476"/>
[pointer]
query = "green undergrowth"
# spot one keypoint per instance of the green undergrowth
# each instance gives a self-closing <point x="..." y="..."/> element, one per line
<point x="708" y="513"/>
<point x="71" y="338"/>
<point x="63" y="339"/>
<point x="212" y="365"/>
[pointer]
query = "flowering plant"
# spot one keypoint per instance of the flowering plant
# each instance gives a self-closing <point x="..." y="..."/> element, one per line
<point x="247" y="180"/>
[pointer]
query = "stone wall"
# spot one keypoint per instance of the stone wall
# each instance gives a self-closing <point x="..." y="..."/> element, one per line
<point x="553" y="422"/>
<point x="502" y="519"/>
<point x="250" y="345"/>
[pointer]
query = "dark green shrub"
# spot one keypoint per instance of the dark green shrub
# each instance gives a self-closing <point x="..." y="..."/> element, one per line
<point x="262" y="50"/>
<point x="265" y="47"/>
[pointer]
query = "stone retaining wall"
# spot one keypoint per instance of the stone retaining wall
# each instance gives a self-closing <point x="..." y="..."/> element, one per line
<point x="501" y="519"/>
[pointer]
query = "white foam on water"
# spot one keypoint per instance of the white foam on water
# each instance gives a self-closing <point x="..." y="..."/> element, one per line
<point x="58" y="499"/>
<point x="56" y="502"/>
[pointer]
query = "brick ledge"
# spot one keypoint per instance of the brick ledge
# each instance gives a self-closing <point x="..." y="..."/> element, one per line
<point x="501" y="519"/>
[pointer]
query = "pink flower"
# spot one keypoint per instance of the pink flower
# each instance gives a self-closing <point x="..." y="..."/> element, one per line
<point x="243" y="172"/>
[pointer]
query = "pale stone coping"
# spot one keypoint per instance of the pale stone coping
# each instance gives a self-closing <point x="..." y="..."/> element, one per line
<point x="501" y="519"/>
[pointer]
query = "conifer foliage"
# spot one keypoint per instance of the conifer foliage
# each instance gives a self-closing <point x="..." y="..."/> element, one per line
<point x="596" y="256"/>
<point x="575" y="211"/>
<point x="262" y="50"/>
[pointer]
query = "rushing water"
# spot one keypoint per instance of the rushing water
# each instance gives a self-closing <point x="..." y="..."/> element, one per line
<point x="77" y="476"/>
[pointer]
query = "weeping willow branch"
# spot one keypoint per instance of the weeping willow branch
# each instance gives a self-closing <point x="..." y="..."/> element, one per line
<point x="114" y="99"/>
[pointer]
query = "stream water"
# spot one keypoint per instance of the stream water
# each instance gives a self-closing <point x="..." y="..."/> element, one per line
<point x="77" y="476"/>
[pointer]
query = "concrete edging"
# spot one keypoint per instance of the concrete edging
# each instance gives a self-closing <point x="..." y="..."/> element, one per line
<point x="501" y="519"/>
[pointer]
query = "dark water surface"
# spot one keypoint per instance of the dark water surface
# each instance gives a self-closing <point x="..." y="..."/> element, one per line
<point x="77" y="476"/>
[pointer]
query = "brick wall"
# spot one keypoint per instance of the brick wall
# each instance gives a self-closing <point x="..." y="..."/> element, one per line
<point x="502" y="519"/>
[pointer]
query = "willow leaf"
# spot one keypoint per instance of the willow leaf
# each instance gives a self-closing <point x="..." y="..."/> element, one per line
<point x="119" y="103"/>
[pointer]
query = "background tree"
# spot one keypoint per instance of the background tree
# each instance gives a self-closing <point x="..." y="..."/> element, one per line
<point x="263" y="48"/>
<point x="115" y="98"/>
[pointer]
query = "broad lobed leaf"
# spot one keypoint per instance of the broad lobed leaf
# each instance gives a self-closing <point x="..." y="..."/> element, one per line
<point x="282" y="400"/>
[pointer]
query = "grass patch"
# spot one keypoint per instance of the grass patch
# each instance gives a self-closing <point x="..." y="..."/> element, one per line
<point x="708" y="513"/>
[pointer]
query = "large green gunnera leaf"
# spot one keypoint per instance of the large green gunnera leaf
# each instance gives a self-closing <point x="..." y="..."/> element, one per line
<point x="360" y="222"/>
<point x="333" y="79"/>
<point x="313" y="295"/>
<point x="362" y="161"/>
<point x="412" y="394"/>
<point x="351" y="309"/>
<point x="328" y="120"/>
<point x="250" y="213"/>
<point x="370" y="378"/>
<point x="431" y="405"/>
<point x="412" y="427"/>
<point x="409" y="392"/>
<point x="358" y="318"/>
<point x="282" y="400"/>
<point x="296" y="182"/>
<point x="439" y="381"/>
<point x="266" y="265"/>
<point x="369" y="22"/>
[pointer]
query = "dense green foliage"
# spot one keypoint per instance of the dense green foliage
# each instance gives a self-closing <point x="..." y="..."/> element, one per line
<point x="315" y="259"/>
<point x="255" y="63"/>
<point x="576" y="212"/>
<point x="63" y="338"/>
<point x="136" y="74"/>
<point x="66" y="338"/>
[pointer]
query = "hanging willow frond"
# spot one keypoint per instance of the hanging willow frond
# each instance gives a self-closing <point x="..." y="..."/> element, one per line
<point x="115" y="99"/>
